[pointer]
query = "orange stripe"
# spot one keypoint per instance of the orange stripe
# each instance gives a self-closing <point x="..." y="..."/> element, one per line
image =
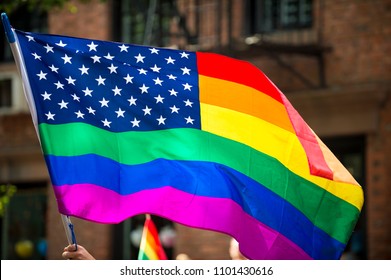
<point x="238" y="71"/>
<point x="153" y="249"/>
<point x="244" y="99"/>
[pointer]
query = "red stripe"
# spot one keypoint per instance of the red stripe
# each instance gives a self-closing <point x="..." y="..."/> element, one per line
<point x="152" y="238"/>
<point x="238" y="71"/>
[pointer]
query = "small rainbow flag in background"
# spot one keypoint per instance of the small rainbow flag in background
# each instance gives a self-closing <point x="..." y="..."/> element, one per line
<point x="150" y="246"/>
<point x="198" y="138"/>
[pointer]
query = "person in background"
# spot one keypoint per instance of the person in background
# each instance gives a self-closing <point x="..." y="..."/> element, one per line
<point x="183" y="256"/>
<point x="71" y="253"/>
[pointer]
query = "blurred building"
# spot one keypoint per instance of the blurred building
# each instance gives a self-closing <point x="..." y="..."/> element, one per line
<point x="330" y="58"/>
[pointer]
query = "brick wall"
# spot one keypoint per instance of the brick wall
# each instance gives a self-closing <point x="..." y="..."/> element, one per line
<point x="92" y="20"/>
<point x="378" y="193"/>
<point x="359" y="32"/>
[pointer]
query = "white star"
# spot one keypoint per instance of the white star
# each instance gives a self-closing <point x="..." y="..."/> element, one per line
<point x="173" y="92"/>
<point x="139" y="58"/>
<point x="53" y="68"/>
<point x="109" y="57"/>
<point x="42" y="75"/>
<point x="128" y="79"/>
<point x="87" y="91"/>
<point x="174" y="109"/>
<point x="59" y="85"/>
<point x="187" y="86"/>
<point x="92" y="46"/>
<point x="79" y="114"/>
<point x="132" y="101"/>
<point x="63" y="104"/>
<point x="75" y="97"/>
<point x="104" y="102"/>
<point x="171" y="77"/>
<point x="147" y="111"/>
<point x="50" y="116"/>
<point x="189" y="120"/>
<point x="159" y="99"/>
<point x="184" y="55"/>
<point x="36" y="56"/>
<point x="135" y="122"/>
<point x="117" y="91"/>
<point x="106" y="123"/>
<point x="61" y="44"/>
<point x="84" y="70"/>
<point x="100" y="80"/>
<point x="112" y="68"/>
<point x="155" y="68"/>
<point x="154" y="51"/>
<point x="158" y="81"/>
<point x="71" y="80"/>
<point x="67" y="59"/>
<point x="46" y="96"/>
<point x="188" y="103"/>
<point x="48" y="48"/>
<point x="123" y="48"/>
<point x="170" y="60"/>
<point x="120" y="113"/>
<point x="90" y="110"/>
<point x="161" y="120"/>
<point x="186" y="71"/>
<point x="31" y="38"/>
<point x="96" y="58"/>
<point x="142" y="71"/>
<point x="144" y="89"/>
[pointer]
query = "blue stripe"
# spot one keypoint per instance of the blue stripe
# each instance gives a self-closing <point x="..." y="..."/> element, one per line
<point x="200" y="179"/>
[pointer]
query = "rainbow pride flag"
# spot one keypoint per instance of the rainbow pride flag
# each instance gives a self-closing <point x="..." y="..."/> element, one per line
<point x="150" y="246"/>
<point x="198" y="138"/>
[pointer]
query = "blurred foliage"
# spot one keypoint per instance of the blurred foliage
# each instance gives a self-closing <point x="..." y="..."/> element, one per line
<point x="6" y="192"/>
<point x="9" y="6"/>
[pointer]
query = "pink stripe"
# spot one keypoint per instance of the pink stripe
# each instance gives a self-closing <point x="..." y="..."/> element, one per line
<point x="257" y="241"/>
<point x="315" y="157"/>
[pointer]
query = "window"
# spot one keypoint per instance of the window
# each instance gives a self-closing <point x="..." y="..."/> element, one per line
<point x="5" y="93"/>
<point x="26" y="20"/>
<point x="143" y="21"/>
<point x="274" y="15"/>
<point x="12" y="99"/>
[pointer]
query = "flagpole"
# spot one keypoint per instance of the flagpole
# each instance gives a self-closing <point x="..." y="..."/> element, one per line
<point x="15" y="48"/>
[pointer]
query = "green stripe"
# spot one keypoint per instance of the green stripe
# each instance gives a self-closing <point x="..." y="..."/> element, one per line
<point x="318" y="205"/>
<point x="142" y="255"/>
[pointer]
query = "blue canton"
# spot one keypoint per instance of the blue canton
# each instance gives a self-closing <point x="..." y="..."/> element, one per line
<point x="117" y="87"/>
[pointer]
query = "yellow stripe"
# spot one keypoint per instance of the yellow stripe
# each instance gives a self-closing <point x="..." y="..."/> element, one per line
<point x="150" y="252"/>
<point x="275" y="142"/>
<point x="243" y="99"/>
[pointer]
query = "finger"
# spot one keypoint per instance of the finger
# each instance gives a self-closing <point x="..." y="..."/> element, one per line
<point x="65" y="255"/>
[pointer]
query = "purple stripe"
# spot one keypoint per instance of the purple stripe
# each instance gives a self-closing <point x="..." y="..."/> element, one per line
<point x="257" y="241"/>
